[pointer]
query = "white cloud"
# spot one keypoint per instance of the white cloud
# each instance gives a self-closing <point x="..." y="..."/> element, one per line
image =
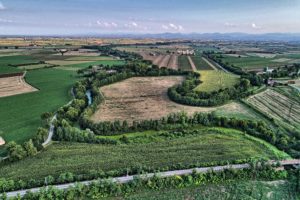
<point x="2" y="7"/>
<point x="165" y="27"/>
<point x="114" y="24"/>
<point x="228" y="24"/>
<point x="254" y="26"/>
<point x="134" y="24"/>
<point x="173" y="27"/>
<point x="106" y="24"/>
<point x="180" y="28"/>
<point x="6" y="20"/>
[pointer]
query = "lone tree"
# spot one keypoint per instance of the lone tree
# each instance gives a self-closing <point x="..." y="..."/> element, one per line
<point x="30" y="148"/>
<point x="62" y="51"/>
<point x="46" y="117"/>
<point x="15" y="151"/>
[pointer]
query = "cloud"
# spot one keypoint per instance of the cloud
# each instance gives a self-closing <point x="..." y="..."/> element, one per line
<point x="228" y="24"/>
<point x="6" y="20"/>
<point x="172" y="26"/>
<point x="2" y="7"/>
<point x="165" y="27"/>
<point x="180" y="28"/>
<point x="131" y="25"/>
<point x="134" y="24"/>
<point x="114" y="24"/>
<point x="254" y="26"/>
<point x="106" y="24"/>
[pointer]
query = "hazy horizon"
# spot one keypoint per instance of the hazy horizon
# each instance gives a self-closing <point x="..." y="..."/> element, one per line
<point x="80" y="17"/>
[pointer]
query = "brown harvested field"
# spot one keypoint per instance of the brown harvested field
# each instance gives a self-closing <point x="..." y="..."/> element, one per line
<point x="164" y="62"/>
<point x="169" y="61"/>
<point x="157" y="59"/>
<point x="277" y="106"/>
<point x="10" y="86"/>
<point x="142" y="98"/>
<point x="173" y="62"/>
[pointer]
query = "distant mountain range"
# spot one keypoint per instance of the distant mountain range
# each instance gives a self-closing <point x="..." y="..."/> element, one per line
<point x="285" y="37"/>
<point x="215" y="36"/>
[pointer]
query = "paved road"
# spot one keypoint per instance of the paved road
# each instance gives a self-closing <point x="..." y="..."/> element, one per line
<point x="125" y="179"/>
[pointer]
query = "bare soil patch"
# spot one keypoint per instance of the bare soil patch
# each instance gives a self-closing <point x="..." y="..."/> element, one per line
<point x="142" y="98"/>
<point x="10" y="86"/>
<point x="173" y="62"/>
<point x="162" y="60"/>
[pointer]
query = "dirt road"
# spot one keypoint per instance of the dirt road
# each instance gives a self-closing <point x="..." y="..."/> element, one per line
<point x="194" y="68"/>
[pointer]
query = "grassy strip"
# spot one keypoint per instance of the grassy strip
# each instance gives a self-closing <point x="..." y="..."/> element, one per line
<point x="208" y="148"/>
<point x="238" y="190"/>
<point x="215" y="80"/>
<point x="184" y="64"/>
<point x="200" y="63"/>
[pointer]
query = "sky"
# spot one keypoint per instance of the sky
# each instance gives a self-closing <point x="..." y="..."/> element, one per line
<point x="71" y="17"/>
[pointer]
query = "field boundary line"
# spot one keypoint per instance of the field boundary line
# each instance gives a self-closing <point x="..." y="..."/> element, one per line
<point x="211" y="65"/>
<point x="216" y="66"/>
<point x="194" y="68"/>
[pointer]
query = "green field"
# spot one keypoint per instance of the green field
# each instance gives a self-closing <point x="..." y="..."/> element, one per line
<point x="215" y="80"/>
<point x="200" y="63"/>
<point x="87" y="64"/>
<point x="210" y="145"/>
<point x="239" y="190"/>
<point x="90" y="58"/>
<point x="184" y="64"/>
<point x="20" y="114"/>
<point x="14" y="60"/>
<point x="200" y="49"/>
<point x="252" y="62"/>
<point x="8" y="70"/>
<point x="37" y="66"/>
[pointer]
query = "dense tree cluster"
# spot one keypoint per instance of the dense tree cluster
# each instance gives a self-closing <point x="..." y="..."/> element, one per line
<point x="29" y="148"/>
<point x="292" y="71"/>
<point x="110" y="51"/>
<point x="17" y="152"/>
<point x="288" y="143"/>
<point x="185" y="93"/>
<point x="66" y="132"/>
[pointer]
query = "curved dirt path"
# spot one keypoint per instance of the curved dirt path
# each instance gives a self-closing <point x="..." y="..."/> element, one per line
<point x="51" y="128"/>
<point x="50" y="132"/>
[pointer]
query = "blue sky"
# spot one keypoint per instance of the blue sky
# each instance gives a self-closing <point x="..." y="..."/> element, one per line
<point x="48" y="17"/>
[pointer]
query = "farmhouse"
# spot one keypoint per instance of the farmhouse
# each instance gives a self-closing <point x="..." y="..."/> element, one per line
<point x="186" y="52"/>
